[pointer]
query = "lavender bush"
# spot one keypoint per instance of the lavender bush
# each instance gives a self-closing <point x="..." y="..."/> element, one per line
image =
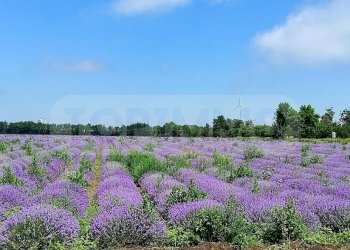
<point x="38" y="227"/>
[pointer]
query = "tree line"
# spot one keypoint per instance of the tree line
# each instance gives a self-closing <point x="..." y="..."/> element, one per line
<point x="306" y="123"/>
<point x="288" y="122"/>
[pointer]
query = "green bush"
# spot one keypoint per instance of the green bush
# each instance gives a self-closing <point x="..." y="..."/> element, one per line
<point x="252" y="152"/>
<point x="180" y="194"/>
<point x="223" y="162"/>
<point x="283" y="224"/>
<point x="83" y="242"/>
<point x="239" y="231"/>
<point x="316" y="159"/>
<point x="115" y="155"/>
<point x="207" y="224"/>
<point x="174" y="163"/>
<point x="139" y="163"/>
<point x="179" y="237"/>
<point x="243" y="170"/>
<point x="307" y="161"/>
<point x="90" y="146"/>
<point x="325" y="237"/>
<point x="34" y="169"/>
<point x="62" y="154"/>
<point x="220" y="160"/>
<point x="255" y="187"/>
<point x="85" y="165"/>
<point x="227" y="224"/>
<point x="305" y="149"/>
<point x="149" y="147"/>
<point x="3" y="147"/>
<point x="10" y="178"/>
<point x="78" y="178"/>
<point x="27" y="147"/>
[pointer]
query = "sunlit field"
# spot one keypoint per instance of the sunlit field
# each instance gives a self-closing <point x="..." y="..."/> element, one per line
<point x="70" y="192"/>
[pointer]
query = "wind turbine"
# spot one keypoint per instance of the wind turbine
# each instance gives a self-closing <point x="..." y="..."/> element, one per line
<point x="240" y="107"/>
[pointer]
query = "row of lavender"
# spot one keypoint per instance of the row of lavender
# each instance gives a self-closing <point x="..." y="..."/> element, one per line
<point x="121" y="218"/>
<point x="40" y="189"/>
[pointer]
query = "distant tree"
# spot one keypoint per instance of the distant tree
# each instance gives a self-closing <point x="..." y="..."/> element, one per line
<point x="248" y="129"/>
<point x="186" y="131"/>
<point x="235" y="127"/>
<point x="206" y="131"/>
<point x="158" y="131"/>
<point x="263" y="131"/>
<point x="139" y="129"/>
<point x="196" y="131"/>
<point x="3" y="127"/>
<point x="327" y="125"/>
<point x="328" y="116"/>
<point x="171" y="129"/>
<point x="220" y="127"/>
<point x="345" y="117"/>
<point x="286" y="121"/>
<point x="309" y="121"/>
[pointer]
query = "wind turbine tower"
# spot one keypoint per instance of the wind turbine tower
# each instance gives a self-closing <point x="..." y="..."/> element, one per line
<point x="240" y="107"/>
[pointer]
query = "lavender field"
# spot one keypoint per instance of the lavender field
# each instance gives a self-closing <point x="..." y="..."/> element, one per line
<point x="65" y="192"/>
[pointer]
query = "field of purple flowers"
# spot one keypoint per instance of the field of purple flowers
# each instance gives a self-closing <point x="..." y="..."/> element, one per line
<point x="70" y="192"/>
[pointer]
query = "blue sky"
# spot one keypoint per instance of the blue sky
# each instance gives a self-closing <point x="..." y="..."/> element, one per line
<point x="297" y="51"/>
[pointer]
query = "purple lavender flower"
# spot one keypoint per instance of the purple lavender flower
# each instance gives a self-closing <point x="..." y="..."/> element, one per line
<point x="37" y="226"/>
<point x="216" y="189"/>
<point x="65" y="194"/>
<point x="117" y="180"/>
<point x="178" y="213"/>
<point x="119" y="196"/>
<point x="122" y="226"/>
<point x="12" y="197"/>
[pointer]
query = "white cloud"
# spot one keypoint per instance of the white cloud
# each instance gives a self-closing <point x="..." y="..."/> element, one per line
<point x="316" y="34"/>
<point x="131" y="7"/>
<point x="83" y="66"/>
